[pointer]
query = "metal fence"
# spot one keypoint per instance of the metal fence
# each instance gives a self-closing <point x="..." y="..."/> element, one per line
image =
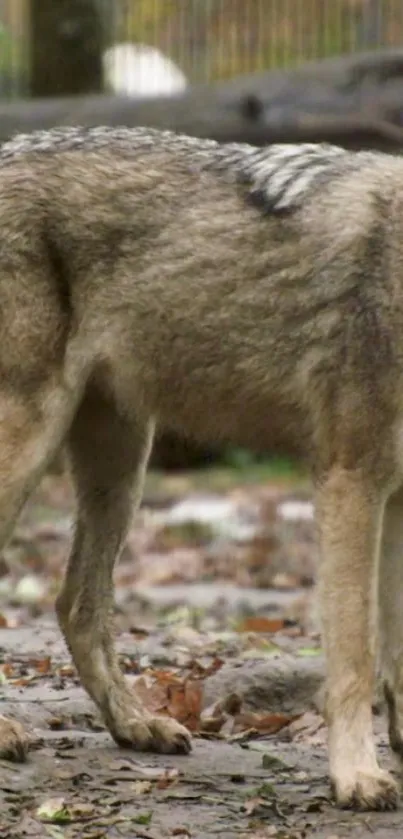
<point x="206" y="40"/>
<point x="212" y="39"/>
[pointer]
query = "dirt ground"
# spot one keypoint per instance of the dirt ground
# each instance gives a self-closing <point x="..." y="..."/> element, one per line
<point x="218" y="630"/>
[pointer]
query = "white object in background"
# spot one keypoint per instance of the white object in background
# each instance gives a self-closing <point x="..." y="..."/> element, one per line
<point x="296" y="510"/>
<point x="139" y="70"/>
<point x="224" y="517"/>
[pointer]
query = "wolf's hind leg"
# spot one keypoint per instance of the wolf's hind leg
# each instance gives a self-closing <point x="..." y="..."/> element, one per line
<point x="109" y="454"/>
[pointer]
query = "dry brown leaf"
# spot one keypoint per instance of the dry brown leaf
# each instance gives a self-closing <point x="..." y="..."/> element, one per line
<point x="185" y="703"/>
<point x="141" y="787"/>
<point x="81" y="810"/>
<point x="169" y="778"/>
<point x="261" y="624"/>
<point x="22" y="682"/>
<point x="139" y="632"/>
<point x="201" y="671"/>
<point x="310" y="727"/>
<point x="66" y="671"/>
<point x="253" y="804"/>
<point x="164" y="677"/>
<point x="166" y="693"/>
<point x="231" y="704"/>
<point x="162" y="776"/>
<point x="151" y="693"/>
<point x="41" y="665"/>
<point x="262" y="723"/>
<point x="219" y="717"/>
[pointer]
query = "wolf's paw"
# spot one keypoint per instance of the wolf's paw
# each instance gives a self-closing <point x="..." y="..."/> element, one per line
<point x="133" y="727"/>
<point x="14" y="741"/>
<point x="154" y="734"/>
<point x="366" y="791"/>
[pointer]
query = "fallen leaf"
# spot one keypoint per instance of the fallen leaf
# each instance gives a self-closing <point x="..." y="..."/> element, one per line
<point x="273" y="762"/>
<point x="169" y="778"/>
<point x="151" y="693"/>
<point x="261" y="624"/>
<point x="185" y="703"/>
<point x="141" y="787"/>
<point x="166" y="693"/>
<point x="163" y="776"/>
<point x="139" y="632"/>
<point x="41" y="665"/>
<point x="66" y="671"/>
<point x="53" y="810"/>
<point x="55" y="832"/>
<point x="8" y="670"/>
<point x="58" y="811"/>
<point x="309" y="652"/>
<point x="231" y="704"/>
<point x="198" y="670"/>
<point x="143" y="818"/>
<point x="80" y="810"/>
<point x="242" y="737"/>
<point x="309" y="727"/>
<point x="262" y="723"/>
<point x="253" y="805"/>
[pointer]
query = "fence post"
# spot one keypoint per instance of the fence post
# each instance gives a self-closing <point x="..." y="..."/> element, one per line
<point x="66" y="42"/>
<point x="370" y="30"/>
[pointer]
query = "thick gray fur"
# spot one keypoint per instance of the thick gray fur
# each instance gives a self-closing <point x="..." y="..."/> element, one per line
<point x="279" y="177"/>
<point x="150" y="281"/>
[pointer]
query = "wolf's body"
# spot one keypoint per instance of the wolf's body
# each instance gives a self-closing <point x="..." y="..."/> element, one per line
<point x="149" y="280"/>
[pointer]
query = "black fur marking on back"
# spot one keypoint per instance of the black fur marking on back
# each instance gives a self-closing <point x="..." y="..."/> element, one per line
<point x="277" y="178"/>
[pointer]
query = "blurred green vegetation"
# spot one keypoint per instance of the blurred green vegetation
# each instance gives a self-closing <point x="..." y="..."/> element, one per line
<point x="242" y="460"/>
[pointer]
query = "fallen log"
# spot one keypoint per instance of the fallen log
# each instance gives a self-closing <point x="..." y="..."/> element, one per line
<point x="355" y="101"/>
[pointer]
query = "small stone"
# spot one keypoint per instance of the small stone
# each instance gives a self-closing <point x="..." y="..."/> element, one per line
<point x="29" y="589"/>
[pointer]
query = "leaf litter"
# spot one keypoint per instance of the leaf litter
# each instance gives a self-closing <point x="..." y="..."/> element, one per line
<point x="208" y="578"/>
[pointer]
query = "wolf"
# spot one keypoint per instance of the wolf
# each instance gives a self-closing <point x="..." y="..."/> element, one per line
<point x="156" y="281"/>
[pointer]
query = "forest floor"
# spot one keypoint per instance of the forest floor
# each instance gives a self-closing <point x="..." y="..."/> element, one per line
<point x="216" y="625"/>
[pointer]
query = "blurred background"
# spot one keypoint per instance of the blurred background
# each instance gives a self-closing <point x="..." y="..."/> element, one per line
<point x="173" y="43"/>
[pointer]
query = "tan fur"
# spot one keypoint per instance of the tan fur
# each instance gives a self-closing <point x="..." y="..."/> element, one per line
<point x="143" y="288"/>
<point x="391" y="623"/>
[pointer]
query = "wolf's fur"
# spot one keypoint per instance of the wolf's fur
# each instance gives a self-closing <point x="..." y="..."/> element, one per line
<point x="227" y="292"/>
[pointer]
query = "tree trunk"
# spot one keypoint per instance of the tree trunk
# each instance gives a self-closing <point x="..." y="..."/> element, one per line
<point x="66" y="47"/>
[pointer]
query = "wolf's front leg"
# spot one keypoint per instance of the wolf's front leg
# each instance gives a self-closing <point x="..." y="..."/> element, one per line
<point x="391" y="617"/>
<point x="109" y="455"/>
<point x="350" y="513"/>
<point x="32" y="427"/>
